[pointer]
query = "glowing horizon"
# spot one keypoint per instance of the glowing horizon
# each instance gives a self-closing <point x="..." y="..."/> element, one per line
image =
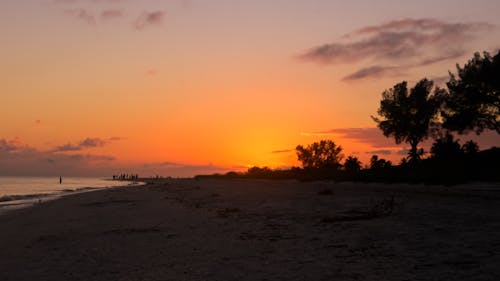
<point x="181" y="87"/>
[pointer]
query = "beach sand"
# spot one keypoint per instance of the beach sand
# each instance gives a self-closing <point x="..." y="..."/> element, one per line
<point x="257" y="230"/>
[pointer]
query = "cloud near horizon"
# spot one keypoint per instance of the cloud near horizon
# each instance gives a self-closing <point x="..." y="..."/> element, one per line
<point x="282" y="151"/>
<point x="86" y="143"/>
<point x="387" y="146"/>
<point x="381" y="152"/>
<point x="19" y="159"/>
<point x="10" y="145"/>
<point x="372" y="136"/>
<point x="400" y="43"/>
<point x="181" y="169"/>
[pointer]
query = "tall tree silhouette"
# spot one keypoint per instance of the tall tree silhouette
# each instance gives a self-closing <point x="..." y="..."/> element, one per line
<point x="352" y="164"/>
<point x="408" y="116"/>
<point x="323" y="154"/>
<point x="474" y="100"/>
<point x="470" y="147"/>
<point x="446" y="148"/>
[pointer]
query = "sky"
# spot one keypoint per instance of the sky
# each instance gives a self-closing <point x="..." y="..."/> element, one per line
<point x="184" y="87"/>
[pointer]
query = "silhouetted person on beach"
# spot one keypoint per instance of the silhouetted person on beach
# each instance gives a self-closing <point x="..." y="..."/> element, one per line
<point x="60" y="180"/>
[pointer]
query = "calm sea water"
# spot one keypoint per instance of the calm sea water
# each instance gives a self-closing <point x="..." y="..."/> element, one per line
<point x="18" y="192"/>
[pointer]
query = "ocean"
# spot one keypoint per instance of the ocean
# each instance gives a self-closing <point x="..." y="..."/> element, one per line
<point x="16" y="192"/>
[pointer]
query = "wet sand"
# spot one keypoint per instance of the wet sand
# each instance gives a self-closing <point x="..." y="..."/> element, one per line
<point x="257" y="230"/>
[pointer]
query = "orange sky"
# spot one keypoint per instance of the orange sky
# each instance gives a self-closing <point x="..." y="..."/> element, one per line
<point x="176" y="87"/>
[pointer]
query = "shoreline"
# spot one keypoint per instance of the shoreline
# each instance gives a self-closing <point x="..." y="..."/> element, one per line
<point x="184" y="229"/>
<point x="12" y="202"/>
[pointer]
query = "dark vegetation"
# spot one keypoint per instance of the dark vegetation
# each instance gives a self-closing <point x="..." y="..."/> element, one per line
<point x="471" y="103"/>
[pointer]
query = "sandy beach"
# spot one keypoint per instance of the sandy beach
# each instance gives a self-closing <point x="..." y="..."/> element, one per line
<point x="257" y="230"/>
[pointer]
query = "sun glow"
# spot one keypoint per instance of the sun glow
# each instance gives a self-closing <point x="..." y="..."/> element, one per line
<point x="199" y="86"/>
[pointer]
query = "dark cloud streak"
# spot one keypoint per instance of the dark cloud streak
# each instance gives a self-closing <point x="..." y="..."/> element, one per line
<point x="371" y="136"/>
<point x="380" y="152"/>
<point x="282" y="151"/>
<point x="379" y="71"/>
<point x="149" y="19"/>
<point x="86" y="143"/>
<point x="401" y="43"/>
<point x="375" y="71"/>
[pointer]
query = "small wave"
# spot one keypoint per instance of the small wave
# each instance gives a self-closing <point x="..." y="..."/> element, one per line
<point x="86" y="188"/>
<point x="67" y="190"/>
<point x="8" y="198"/>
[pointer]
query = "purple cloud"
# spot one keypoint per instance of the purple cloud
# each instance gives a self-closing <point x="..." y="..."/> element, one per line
<point x="98" y="158"/>
<point x="375" y="71"/>
<point x="10" y="145"/>
<point x="375" y="138"/>
<point x="149" y="19"/>
<point x="395" y="40"/>
<point x="378" y="71"/>
<point x="67" y="147"/>
<point x="93" y="142"/>
<point x="86" y="143"/>
<point x="17" y="158"/>
<point x="403" y="43"/>
<point x="381" y="152"/>
<point x="371" y="136"/>
<point x="454" y="54"/>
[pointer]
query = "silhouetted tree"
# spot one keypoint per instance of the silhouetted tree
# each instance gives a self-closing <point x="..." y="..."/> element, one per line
<point x="446" y="148"/>
<point x="409" y="116"/>
<point x="232" y="174"/>
<point x="323" y="154"/>
<point x="352" y="164"/>
<point x="257" y="172"/>
<point x="470" y="147"/>
<point x="473" y="102"/>
<point x="403" y="162"/>
<point x="377" y="164"/>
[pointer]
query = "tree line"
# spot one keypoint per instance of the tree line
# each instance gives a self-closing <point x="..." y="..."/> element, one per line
<point x="469" y="103"/>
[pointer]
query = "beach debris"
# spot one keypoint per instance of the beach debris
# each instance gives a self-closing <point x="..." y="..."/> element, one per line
<point x="379" y="209"/>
